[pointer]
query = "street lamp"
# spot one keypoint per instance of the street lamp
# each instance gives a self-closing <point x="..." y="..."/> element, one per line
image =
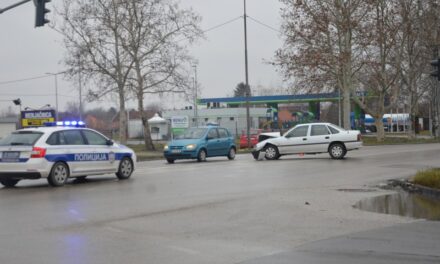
<point x="18" y="102"/>
<point x="195" y="95"/>
<point x="56" y="91"/>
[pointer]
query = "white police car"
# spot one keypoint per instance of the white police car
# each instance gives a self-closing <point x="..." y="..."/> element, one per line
<point x="60" y="152"/>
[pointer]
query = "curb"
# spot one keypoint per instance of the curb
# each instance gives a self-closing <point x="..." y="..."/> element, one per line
<point x="415" y="188"/>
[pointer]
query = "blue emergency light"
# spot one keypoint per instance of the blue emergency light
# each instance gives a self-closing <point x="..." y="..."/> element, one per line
<point x="66" y="124"/>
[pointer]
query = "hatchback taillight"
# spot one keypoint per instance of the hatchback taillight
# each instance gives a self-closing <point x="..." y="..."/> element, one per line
<point x="359" y="137"/>
<point x="38" y="152"/>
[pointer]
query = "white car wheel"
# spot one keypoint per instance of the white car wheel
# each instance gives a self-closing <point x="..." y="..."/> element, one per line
<point x="337" y="151"/>
<point x="272" y="152"/>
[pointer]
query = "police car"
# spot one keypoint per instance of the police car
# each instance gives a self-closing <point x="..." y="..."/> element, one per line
<point x="59" y="152"/>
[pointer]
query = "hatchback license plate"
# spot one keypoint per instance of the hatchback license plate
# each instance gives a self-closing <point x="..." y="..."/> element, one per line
<point x="11" y="156"/>
<point x="176" y="151"/>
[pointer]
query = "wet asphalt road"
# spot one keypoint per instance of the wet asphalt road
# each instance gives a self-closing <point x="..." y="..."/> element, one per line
<point x="220" y="211"/>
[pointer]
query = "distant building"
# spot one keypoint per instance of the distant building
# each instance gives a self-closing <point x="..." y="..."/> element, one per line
<point x="8" y="125"/>
<point x="234" y="119"/>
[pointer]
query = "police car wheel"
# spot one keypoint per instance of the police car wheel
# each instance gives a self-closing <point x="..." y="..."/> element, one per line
<point x="58" y="175"/>
<point x="9" y="182"/>
<point x="125" y="169"/>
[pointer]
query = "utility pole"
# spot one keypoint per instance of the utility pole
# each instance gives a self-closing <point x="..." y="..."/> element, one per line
<point x="80" y="88"/>
<point x="56" y="91"/>
<point x="196" y="112"/>
<point x="248" y="121"/>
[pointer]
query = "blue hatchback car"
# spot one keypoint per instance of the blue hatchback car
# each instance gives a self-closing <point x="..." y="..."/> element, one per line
<point x="200" y="143"/>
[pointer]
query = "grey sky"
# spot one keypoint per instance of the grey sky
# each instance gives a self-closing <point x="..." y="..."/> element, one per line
<point x="30" y="52"/>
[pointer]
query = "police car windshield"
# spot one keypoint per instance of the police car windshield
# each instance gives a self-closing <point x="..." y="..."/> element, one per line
<point x="192" y="133"/>
<point x="21" y="138"/>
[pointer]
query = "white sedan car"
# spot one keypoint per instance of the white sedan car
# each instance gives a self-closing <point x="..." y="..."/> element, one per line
<point x="311" y="138"/>
<point x="60" y="152"/>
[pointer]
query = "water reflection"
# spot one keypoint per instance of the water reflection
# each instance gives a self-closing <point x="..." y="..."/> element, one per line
<point x="404" y="204"/>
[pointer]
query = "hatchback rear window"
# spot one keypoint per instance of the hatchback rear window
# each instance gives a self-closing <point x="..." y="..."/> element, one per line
<point x="21" y="138"/>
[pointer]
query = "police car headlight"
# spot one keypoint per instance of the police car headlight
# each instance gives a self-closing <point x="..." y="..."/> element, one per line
<point x="165" y="148"/>
<point x="191" y="146"/>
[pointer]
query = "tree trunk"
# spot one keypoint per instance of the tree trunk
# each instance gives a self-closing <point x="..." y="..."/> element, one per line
<point x="147" y="135"/>
<point x="122" y="119"/>
<point x="380" y="128"/>
<point x="346" y="109"/>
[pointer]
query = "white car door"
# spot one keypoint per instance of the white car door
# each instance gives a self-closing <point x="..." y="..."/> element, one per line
<point x="319" y="139"/>
<point x="295" y="141"/>
<point x="103" y="153"/>
<point x="76" y="150"/>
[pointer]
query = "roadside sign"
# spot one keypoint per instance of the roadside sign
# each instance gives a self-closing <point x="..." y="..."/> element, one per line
<point x="179" y="122"/>
<point x="36" y="118"/>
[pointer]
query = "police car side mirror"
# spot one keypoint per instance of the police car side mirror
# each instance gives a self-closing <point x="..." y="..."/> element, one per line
<point x="109" y="142"/>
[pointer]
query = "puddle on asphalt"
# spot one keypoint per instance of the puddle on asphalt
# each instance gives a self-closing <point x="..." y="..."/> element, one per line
<point x="404" y="204"/>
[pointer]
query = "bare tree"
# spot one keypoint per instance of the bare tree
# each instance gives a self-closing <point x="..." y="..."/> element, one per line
<point x="92" y="31"/>
<point x="382" y="61"/>
<point x="323" y="45"/>
<point x="154" y="36"/>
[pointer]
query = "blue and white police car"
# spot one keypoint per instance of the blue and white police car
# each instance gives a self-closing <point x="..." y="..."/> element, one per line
<point x="59" y="152"/>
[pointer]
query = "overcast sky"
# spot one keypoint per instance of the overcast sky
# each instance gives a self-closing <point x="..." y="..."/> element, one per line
<point x="28" y="52"/>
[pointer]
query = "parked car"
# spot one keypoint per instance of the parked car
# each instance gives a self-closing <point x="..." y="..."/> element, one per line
<point x="311" y="138"/>
<point x="254" y="134"/>
<point x="200" y="143"/>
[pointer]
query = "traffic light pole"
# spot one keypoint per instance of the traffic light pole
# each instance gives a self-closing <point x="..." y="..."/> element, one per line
<point x="13" y="6"/>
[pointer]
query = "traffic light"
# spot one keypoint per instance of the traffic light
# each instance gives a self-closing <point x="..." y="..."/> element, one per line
<point x="41" y="11"/>
<point x="436" y="73"/>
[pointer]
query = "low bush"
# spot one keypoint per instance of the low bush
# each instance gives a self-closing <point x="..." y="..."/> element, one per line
<point x="429" y="178"/>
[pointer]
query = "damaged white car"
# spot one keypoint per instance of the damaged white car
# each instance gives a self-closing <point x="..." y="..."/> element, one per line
<point x="312" y="138"/>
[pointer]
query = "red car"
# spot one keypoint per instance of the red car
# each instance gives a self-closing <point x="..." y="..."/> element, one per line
<point x="254" y="139"/>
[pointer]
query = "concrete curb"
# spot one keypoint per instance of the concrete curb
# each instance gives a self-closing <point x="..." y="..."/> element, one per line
<point x="415" y="188"/>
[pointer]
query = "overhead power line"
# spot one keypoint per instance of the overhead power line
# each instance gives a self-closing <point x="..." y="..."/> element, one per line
<point x="25" y="79"/>
<point x="264" y="25"/>
<point x="222" y="24"/>
<point x="32" y="95"/>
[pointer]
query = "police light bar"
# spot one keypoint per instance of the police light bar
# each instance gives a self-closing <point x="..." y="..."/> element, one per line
<point x="65" y="123"/>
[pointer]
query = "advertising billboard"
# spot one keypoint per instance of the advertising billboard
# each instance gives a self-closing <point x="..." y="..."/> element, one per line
<point x="36" y="118"/>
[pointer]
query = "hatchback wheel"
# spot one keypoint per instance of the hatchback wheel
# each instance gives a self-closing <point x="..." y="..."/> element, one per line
<point x="201" y="156"/>
<point x="58" y="175"/>
<point x="231" y="154"/>
<point x="125" y="169"/>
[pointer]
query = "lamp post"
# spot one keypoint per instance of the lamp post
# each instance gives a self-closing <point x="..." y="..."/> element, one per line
<point x="18" y="102"/>
<point x="195" y="95"/>
<point x="248" y="121"/>
<point x="56" y="91"/>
